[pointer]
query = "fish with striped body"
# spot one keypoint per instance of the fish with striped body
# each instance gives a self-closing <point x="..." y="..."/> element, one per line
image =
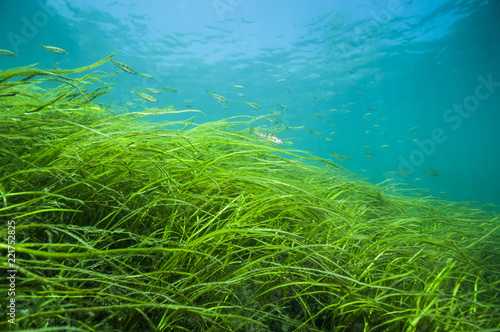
<point x="404" y="172"/>
<point x="166" y="88"/>
<point x="254" y="105"/>
<point x="53" y="49"/>
<point x="336" y="155"/>
<point x="432" y="172"/>
<point x="146" y="96"/>
<point x="153" y="90"/>
<point x="272" y="120"/>
<point x="124" y="67"/>
<point x="7" y="53"/>
<point x="147" y="75"/>
<point x="270" y="138"/>
<point x="219" y="97"/>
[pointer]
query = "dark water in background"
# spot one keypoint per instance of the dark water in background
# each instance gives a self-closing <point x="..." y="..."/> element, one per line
<point x="422" y="64"/>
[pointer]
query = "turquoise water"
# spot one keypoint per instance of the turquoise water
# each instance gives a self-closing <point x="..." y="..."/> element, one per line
<point x="432" y="65"/>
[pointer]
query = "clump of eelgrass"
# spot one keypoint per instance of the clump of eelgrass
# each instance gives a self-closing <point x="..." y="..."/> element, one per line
<point x="121" y="225"/>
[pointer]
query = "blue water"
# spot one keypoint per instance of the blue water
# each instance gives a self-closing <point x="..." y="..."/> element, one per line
<point x="427" y="64"/>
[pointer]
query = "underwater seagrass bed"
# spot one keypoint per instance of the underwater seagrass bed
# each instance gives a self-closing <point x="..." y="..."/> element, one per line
<point x="125" y="225"/>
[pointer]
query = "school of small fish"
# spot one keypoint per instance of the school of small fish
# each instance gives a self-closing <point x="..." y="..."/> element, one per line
<point x="336" y="112"/>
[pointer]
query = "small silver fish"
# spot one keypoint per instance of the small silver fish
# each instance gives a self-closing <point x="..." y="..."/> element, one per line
<point x="153" y="90"/>
<point x="432" y="172"/>
<point x="146" y="96"/>
<point x="124" y="67"/>
<point x="53" y="49"/>
<point x="270" y="138"/>
<point x="147" y="75"/>
<point x="218" y="97"/>
<point x="254" y="105"/>
<point x="7" y="53"/>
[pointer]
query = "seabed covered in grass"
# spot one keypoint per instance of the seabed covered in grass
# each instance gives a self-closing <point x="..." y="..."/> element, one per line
<point x="124" y="225"/>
